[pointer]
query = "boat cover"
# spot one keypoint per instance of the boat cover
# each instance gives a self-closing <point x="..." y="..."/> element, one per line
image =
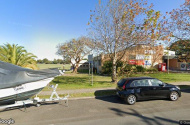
<point x="12" y="75"/>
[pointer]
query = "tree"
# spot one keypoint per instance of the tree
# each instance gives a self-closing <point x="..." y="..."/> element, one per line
<point x="17" y="55"/>
<point x="180" y="22"/>
<point x="60" y="61"/>
<point x="156" y="30"/>
<point x="75" y="50"/>
<point x="54" y="61"/>
<point x="180" y="27"/>
<point x="116" y="26"/>
<point x="39" y="61"/>
<point x="182" y="49"/>
<point x="157" y="55"/>
<point x="46" y="61"/>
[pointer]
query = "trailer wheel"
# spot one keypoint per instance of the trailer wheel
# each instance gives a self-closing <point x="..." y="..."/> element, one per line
<point x="38" y="105"/>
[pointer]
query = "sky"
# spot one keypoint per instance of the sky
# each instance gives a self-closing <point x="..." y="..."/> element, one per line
<point x="40" y="25"/>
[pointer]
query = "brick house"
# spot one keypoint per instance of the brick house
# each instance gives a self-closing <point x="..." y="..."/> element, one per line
<point x="145" y="55"/>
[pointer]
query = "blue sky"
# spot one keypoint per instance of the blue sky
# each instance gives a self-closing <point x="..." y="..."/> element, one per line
<point x="40" y="25"/>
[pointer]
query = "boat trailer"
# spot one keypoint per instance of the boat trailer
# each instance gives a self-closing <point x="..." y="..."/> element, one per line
<point x="37" y="101"/>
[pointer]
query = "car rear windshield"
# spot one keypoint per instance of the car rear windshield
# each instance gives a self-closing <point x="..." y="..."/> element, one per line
<point x="121" y="82"/>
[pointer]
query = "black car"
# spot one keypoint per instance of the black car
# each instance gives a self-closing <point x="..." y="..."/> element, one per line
<point x="143" y="88"/>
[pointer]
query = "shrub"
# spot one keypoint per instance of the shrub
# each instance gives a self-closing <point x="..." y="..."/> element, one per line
<point x="140" y="69"/>
<point x="127" y="69"/>
<point x="107" y="67"/>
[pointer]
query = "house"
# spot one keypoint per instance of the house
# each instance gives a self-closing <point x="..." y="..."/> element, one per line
<point x="83" y="65"/>
<point x="145" y="55"/>
<point x="177" y="62"/>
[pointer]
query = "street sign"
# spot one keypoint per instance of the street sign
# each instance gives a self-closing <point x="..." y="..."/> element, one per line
<point x="90" y="58"/>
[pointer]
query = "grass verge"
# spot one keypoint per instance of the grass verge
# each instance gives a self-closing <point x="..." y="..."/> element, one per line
<point x="83" y="81"/>
<point x="168" y="78"/>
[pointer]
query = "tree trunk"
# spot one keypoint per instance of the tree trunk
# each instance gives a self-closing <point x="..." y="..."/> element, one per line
<point x="114" y="76"/>
<point x="75" y="68"/>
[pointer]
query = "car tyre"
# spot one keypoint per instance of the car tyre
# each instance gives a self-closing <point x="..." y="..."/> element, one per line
<point x="174" y="96"/>
<point x="131" y="99"/>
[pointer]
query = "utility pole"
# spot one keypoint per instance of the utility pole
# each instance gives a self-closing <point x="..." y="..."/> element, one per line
<point x="168" y="62"/>
<point x="92" y="73"/>
<point x="89" y="70"/>
<point x="90" y="61"/>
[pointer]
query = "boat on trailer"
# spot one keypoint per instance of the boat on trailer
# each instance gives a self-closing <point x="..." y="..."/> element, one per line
<point x="18" y="84"/>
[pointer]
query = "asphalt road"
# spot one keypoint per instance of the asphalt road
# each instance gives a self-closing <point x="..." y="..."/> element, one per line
<point x="104" y="111"/>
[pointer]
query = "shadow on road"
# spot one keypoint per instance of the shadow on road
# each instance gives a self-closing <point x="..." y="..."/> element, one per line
<point x="112" y="99"/>
<point x="185" y="88"/>
<point x="109" y="96"/>
<point x="149" y="121"/>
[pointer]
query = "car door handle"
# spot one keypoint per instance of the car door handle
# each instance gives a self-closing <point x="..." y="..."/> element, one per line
<point x="154" y="88"/>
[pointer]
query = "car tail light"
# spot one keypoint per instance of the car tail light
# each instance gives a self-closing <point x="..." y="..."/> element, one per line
<point x="125" y="84"/>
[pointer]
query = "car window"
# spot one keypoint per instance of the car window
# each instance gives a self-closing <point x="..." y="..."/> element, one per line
<point x="155" y="82"/>
<point x="121" y="82"/>
<point x="134" y="83"/>
<point x="143" y="82"/>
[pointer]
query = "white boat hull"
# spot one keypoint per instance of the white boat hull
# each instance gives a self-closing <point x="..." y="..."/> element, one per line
<point x="23" y="91"/>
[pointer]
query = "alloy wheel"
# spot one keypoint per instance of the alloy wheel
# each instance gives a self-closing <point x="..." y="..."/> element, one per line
<point x="131" y="99"/>
<point x="174" y="96"/>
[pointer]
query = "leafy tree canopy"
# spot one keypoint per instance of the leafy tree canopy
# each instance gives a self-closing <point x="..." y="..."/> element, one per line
<point x="17" y="55"/>
<point x="181" y="47"/>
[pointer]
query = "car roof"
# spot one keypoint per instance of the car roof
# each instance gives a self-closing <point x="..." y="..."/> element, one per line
<point x="138" y="78"/>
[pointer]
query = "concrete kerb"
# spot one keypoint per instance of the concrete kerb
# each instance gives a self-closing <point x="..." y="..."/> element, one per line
<point x="93" y="97"/>
<point x="77" y="91"/>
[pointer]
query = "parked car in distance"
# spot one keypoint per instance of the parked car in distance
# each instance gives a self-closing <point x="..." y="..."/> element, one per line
<point x="145" y="88"/>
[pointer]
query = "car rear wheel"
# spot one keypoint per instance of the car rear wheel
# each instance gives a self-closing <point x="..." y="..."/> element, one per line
<point x="174" y="96"/>
<point x="131" y="99"/>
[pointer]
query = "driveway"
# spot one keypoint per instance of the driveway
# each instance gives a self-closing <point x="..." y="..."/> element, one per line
<point x="106" y="111"/>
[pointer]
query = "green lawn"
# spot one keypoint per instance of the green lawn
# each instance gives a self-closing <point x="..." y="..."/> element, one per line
<point x="46" y="66"/>
<point x="168" y="78"/>
<point x="83" y="81"/>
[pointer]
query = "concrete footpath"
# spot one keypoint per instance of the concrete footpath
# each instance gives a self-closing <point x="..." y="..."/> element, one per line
<point x="95" y="89"/>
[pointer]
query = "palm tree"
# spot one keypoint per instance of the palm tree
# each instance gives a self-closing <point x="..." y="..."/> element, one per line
<point x="17" y="55"/>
